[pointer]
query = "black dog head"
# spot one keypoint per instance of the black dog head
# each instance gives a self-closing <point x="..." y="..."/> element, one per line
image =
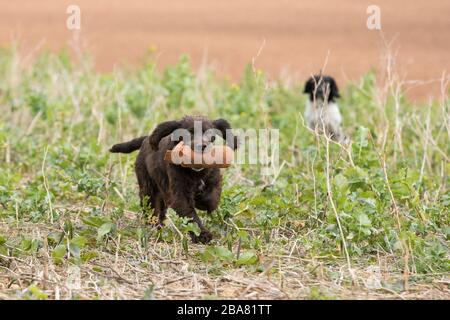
<point x="197" y="131"/>
<point x="321" y="87"/>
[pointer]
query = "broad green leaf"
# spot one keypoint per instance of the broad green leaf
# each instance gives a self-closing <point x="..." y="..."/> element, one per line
<point x="340" y="181"/>
<point x="104" y="229"/>
<point x="217" y="253"/>
<point x="55" y="237"/>
<point x="364" y="220"/>
<point x="223" y="253"/>
<point x="248" y="257"/>
<point x="59" y="253"/>
<point x="95" y="221"/>
<point x="87" y="256"/>
<point x="193" y="227"/>
<point x="80" y="241"/>
<point x="74" y="250"/>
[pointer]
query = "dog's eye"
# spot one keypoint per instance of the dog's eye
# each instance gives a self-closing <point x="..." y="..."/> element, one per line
<point x="213" y="138"/>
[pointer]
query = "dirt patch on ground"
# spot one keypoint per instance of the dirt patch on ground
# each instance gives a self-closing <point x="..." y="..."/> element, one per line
<point x="162" y="271"/>
<point x="296" y="36"/>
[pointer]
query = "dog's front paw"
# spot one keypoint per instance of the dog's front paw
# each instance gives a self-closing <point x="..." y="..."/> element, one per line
<point x="204" y="237"/>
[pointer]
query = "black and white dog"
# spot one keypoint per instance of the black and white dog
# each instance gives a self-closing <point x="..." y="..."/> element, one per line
<point x="322" y="111"/>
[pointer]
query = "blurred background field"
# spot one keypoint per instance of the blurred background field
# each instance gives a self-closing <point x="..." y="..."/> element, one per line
<point x="296" y="36"/>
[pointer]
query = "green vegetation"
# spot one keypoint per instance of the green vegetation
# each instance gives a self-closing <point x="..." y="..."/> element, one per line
<point x="317" y="230"/>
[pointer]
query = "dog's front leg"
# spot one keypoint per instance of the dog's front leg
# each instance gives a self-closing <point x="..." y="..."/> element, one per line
<point x="184" y="210"/>
<point x="182" y="201"/>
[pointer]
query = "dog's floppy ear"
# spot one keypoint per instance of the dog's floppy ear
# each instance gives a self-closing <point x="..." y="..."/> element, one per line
<point x="309" y="86"/>
<point x="162" y="130"/>
<point x="334" y="90"/>
<point x="222" y="125"/>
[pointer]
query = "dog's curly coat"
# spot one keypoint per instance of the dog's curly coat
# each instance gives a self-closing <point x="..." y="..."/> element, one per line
<point x="163" y="184"/>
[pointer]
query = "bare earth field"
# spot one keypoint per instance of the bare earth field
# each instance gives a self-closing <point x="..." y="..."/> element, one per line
<point x="294" y="37"/>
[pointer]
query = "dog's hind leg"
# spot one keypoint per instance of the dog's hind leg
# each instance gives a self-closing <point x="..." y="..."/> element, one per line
<point x="160" y="209"/>
<point x="147" y="190"/>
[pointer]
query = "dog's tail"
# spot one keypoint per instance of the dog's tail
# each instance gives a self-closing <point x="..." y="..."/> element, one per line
<point x="128" y="147"/>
